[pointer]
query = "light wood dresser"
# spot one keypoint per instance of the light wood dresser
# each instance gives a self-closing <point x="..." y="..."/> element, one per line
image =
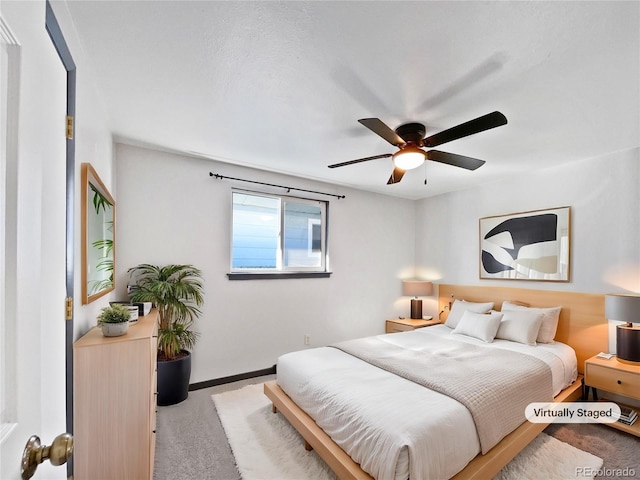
<point x="114" y="383"/>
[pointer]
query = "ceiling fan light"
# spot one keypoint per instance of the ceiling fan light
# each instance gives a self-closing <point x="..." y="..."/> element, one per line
<point x="408" y="158"/>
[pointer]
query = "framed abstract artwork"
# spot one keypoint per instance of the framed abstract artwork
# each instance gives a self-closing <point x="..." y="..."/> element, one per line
<point x="532" y="245"/>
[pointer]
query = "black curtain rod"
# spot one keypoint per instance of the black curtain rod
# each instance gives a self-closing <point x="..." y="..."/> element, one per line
<point x="211" y="174"/>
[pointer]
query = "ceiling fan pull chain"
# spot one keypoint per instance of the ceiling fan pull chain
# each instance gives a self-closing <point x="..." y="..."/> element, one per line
<point x="425" y="173"/>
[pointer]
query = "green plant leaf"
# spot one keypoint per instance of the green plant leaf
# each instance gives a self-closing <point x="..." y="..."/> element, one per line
<point x="99" y="200"/>
<point x="115" y="313"/>
<point x="177" y="292"/>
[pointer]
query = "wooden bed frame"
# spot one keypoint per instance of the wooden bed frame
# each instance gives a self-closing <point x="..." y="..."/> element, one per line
<point x="582" y="325"/>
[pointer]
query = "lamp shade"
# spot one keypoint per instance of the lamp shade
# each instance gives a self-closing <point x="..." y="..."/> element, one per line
<point x="409" y="157"/>
<point x="625" y="308"/>
<point x="416" y="288"/>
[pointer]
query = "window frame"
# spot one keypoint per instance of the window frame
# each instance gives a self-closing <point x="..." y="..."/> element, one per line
<point x="281" y="270"/>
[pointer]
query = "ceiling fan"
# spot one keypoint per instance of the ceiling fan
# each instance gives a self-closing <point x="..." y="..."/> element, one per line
<point x="410" y="138"/>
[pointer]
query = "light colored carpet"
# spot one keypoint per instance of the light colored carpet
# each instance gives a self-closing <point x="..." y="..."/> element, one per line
<point x="265" y="446"/>
<point x="551" y="459"/>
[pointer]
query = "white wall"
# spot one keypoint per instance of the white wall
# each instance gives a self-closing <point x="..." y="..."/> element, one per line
<point x="171" y="211"/>
<point x="604" y="196"/>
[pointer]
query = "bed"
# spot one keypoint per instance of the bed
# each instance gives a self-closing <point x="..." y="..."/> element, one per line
<point x="384" y="426"/>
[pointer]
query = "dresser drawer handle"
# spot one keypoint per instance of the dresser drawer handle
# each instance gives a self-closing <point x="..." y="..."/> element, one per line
<point x="619" y="382"/>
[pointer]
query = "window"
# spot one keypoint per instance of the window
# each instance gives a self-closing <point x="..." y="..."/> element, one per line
<point x="277" y="234"/>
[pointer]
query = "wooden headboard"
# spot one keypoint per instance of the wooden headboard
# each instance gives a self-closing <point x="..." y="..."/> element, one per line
<point x="582" y="323"/>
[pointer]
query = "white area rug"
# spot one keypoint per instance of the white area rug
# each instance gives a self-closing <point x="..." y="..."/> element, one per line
<point x="266" y="447"/>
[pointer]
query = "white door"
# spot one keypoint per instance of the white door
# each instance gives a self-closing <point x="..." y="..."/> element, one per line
<point x="32" y="241"/>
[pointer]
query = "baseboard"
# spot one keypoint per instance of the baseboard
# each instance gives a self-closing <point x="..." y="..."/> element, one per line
<point x="232" y="378"/>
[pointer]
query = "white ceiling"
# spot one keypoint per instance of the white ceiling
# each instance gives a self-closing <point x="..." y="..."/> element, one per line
<point x="281" y="85"/>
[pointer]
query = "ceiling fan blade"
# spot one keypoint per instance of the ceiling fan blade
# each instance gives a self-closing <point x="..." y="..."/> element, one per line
<point x="480" y="124"/>
<point x="378" y="127"/>
<point x="456" y="160"/>
<point x="365" y="159"/>
<point x="396" y="175"/>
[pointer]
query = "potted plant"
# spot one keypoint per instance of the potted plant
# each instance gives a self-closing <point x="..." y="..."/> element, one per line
<point x="114" y="320"/>
<point x="177" y="293"/>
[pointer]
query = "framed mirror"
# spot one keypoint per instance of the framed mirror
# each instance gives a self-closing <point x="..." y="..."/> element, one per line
<point x="98" y="236"/>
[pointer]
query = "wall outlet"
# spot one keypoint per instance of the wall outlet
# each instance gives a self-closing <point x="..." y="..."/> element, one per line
<point x="307" y="339"/>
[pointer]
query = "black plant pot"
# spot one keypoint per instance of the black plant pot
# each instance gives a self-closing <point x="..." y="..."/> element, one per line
<point x="173" y="380"/>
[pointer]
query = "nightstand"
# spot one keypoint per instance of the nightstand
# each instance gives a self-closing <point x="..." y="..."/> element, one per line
<point x="407" y="324"/>
<point x="615" y="377"/>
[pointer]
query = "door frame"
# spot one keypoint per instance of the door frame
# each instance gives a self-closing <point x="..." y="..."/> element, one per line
<point x="55" y="33"/>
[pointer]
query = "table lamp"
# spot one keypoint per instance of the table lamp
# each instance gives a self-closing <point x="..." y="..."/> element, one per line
<point x="625" y="308"/>
<point x="415" y="289"/>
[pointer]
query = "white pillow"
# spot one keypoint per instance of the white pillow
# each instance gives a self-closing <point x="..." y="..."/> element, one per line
<point x="460" y="306"/>
<point x="482" y="326"/>
<point x="520" y="326"/>
<point x="549" y="324"/>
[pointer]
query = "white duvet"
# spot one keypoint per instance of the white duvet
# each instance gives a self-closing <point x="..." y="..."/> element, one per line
<point x="378" y="417"/>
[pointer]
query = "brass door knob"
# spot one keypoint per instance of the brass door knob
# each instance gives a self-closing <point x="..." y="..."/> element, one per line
<point x="35" y="453"/>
